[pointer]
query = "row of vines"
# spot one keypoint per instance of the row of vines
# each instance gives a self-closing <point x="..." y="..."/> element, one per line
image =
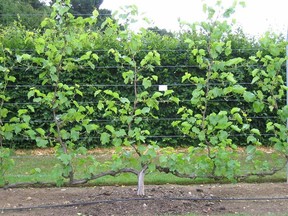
<point x="72" y="86"/>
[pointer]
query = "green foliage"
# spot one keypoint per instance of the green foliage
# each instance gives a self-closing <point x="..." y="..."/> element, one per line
<point x="6" y="163"/>
<point x="130" y="137"/>
<point x="272" y="89"/>
<point x="213" y="131"/>
<point x="88" y="87"/>
<point x="11" y="124"/>
<point x="85" y="6"/>
<point x="54" y="58"/>
<point x="29" y="13"/>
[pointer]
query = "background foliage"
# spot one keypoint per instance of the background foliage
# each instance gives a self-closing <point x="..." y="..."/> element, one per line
<point x="176" y="60"/>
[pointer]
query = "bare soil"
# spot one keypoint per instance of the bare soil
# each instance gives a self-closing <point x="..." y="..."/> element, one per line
<point x="217" y="199"/>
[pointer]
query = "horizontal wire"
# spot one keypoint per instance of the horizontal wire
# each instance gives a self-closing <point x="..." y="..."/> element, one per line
<point x="41" y="14"/>
<point x="153" y="137"/>
<point x="185" y="51"/>
<point x="164" y="101"/>
<point x="125" y="85"/>
<point x="160" y="119"/>
<point x="128" y="67"/>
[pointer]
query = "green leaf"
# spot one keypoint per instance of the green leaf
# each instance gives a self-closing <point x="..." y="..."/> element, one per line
<point x="22" y="111"/>
<point x="17" y="128"/>
<point x="251" y="148"/>
<point x="146" y="83"/>
<point x="145" y="110"/>
<point x="238" y="89"/>
<point x="11" y="78"/>
<point x="258" y="106"/>
<point x="195" y="130"/>
<point x="42" y="143"/>
<point x="186" y="77"/>
<point x="97" y="92"/>
<point x="75" y="135"/>
<point x="256" y="131"/>
<point x="215" y="92"/>
<point x="110" y="128"/>
<point x="213" y="119"/>
<point x="111" y="93"/>
<point x="3" y="113"/>
<point x="31" y="133"/>
<point x="234" y="61"/>
<point x="31" y="108"/>
<point x="245" y="126"/>
<point x="95" y="56"/>
<point x="202" y="136"/>
<point x="230" y="78"/>
<point x="255" y="79"/>
<point x="117" y="142"/>
<point x="65" y="159"/>
<point x="235" y="109"/>
<point x="128" y="76"/>
<point x="251" y="139"/>
<point x="154" y="77"/>
<point x="91" y="127"/>
<point x="86" y="56"/>
<point x="40" y="131"/>
<point x="236" y="128"/>
<point x="157" y="94"/>
<point x="249" y="96"/>
<point x="100" y="105"/>
<point x="168" y="92"/>
<point x="105" y="138"/>
<point x="120" y="133"/>
<point x="138" y="120"/>
<point x="64" y="134"/>
<point x="37" y="100"/>
<point x="79" y="92"/>
<point x="175" y="100"/>
<point x="238" y="118"/>
<point x="124" y="100"/>
<point x="8" y="135"/>
<point x="163" y="159"/>
<point x="269" y="126"/>
<point x="138" y="112"/>
<point x="26" y="56"/>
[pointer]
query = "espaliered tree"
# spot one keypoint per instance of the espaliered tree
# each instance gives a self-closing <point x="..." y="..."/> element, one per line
<point x="11" y="124"/>
<point x="6" y="130"/>
<point x="132" y="147"/>
<point x="54" y="56"/>
<point x="212" y="126"/>
<point x="269" y="98"/>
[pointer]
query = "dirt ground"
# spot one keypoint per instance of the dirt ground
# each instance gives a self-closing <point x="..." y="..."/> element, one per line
<point x="216" y="199"/>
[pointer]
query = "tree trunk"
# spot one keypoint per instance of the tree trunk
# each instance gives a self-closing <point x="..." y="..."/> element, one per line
<point x="141" y="176"/>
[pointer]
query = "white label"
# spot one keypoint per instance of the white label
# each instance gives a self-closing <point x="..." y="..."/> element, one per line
<point x="163" y="87"/>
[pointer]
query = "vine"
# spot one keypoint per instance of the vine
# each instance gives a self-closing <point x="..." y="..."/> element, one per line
<point x="11" y="124"/>
<point x="54" y="56"/>
<point x="214" y="131"/>
<point x="271" y="91"/>
<point x="132" y="147"/>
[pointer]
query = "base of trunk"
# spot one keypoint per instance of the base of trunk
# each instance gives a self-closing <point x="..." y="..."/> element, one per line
<point x="141" y="176"/>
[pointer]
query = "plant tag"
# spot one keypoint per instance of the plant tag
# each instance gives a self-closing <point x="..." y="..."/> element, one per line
<point x="163" y="87"/>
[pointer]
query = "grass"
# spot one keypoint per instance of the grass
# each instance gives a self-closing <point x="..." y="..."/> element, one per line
<point x="26" y="166"/>
<point x="31" y="167"/>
